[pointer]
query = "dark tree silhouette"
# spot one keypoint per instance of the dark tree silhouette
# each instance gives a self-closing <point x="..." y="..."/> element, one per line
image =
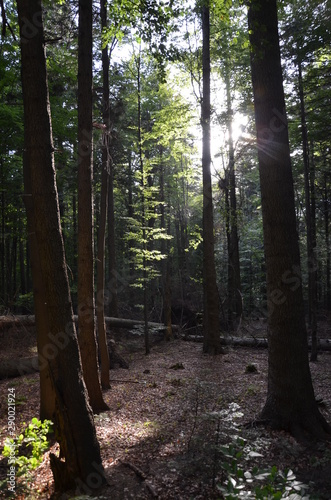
<point x="290" y="403"/>
<point x="75" y="431"/>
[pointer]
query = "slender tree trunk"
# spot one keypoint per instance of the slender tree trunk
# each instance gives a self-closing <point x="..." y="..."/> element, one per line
<point x="166" y="275"/>
<point x="113" y="283"/>
<point x="74" y="236"/>
<point x="21" y="258"/>
<point x="212" y="344"/>
<point x="103" y="348"/>
<point x="28" y="269"/>
<point x="14" y="268"/>
<point x="311" y="240"/>
<point x="327" y="241"/>
<point x="290" y="403"/>
<point x="131" y="243"/>
<point x="86" y="322"/>
<point x="143" y="212"/>
<point x="234" y="282"/>
<point x="313" y="268"/>
<point x="75" y="429"/>
<point x="3" y="236"/>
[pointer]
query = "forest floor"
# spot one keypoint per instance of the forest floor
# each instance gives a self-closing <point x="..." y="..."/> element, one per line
<point x="176" y="428"/>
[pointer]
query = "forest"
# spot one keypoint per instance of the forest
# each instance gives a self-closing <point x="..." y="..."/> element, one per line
<point x="165" y="250"/>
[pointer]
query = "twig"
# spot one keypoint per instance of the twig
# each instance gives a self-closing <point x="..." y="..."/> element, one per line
<point x="141" y="474"/>
<point x="128" y="381"/>
<point x="135" y="469"/>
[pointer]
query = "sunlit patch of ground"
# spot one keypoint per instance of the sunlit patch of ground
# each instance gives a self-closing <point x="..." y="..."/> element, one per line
<point x="169" y="415"/>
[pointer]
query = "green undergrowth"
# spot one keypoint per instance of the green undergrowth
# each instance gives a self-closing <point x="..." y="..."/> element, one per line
<point x="25" y="452"/>
<point x="238" y="462"/>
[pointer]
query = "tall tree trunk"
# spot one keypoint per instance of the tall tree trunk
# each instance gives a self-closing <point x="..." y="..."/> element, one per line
<point x="290" y="403"/>
<point x="47" y="392"/>
<point x="311" y="239"/>
<point x="327" y="241"/>
<point x="166" y="275"/>
<point x="79" y="445"/>
<point x="143" y="211"/>
<point x="14" y="268"/>
<point x="3" y="231"/>
<point x="113" y="282"/>
<point x="130" y="242"/>
<point x="211" y="325"/>
<point x="234" y="282"/>
<point x="102" y="336"/>
<point x="86" y="322"/>
<point x="21" y="258"/>
<point x="74" y="236"/>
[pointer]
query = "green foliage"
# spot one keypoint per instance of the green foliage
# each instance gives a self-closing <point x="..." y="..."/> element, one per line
<point x="33" y="442"/>
<point x="244" y="479"/>
<point x="26" y="301"/>
<point x="251" y="368"/>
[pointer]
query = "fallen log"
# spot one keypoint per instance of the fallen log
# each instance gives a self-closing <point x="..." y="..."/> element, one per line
<point x="24" y="366"/>
<point x="7" y="322"/>
<point x="10" y="368"/>
<point x="10" y="321"/>
<point x="323" y="344"/>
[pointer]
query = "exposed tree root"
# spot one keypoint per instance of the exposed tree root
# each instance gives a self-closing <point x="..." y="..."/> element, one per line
<point x="304" y="428"/>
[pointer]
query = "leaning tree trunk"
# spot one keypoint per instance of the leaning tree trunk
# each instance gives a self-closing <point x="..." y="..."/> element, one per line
<point x="290" y="400"/>
<point x="80" y="451"/>
<point x="86" y="323"/>
<point x="211" y="305"/>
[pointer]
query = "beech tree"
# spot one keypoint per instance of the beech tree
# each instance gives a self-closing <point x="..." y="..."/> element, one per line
<point x="290" y="403"/>
<point x="80" y="461"/>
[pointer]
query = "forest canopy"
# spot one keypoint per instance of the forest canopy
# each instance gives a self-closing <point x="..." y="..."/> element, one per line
<point x="142" y="40"/>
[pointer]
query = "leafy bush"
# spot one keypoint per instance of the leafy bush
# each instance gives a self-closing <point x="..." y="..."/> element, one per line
<point x="26" y="451"/>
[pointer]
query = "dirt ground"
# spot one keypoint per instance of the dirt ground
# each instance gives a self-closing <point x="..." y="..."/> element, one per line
<point x="176" y="428"/>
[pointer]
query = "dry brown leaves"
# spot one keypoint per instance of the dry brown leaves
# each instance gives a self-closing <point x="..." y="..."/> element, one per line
<point x="157" y="440"/>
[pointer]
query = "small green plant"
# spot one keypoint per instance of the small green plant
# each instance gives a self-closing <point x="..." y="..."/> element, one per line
<point x="25" y="451"/>
<point x="251" y="368"/>
<point x="240" y="481"/>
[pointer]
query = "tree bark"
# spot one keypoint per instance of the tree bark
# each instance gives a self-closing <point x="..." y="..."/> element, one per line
<point x="47" y="393"/>
<point x="234" y="283"/>
<point x="74" y="423"/>
<point x="326" y="211"/>
<point x="166" y="275"/>
<point x="211" y="323"/>
<point x="290" y="403"/>
<point x="86" y="322"/>
<point x="103" y="349"/>
<point x="143" y="210"/>
<point x="311" y="238"/>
